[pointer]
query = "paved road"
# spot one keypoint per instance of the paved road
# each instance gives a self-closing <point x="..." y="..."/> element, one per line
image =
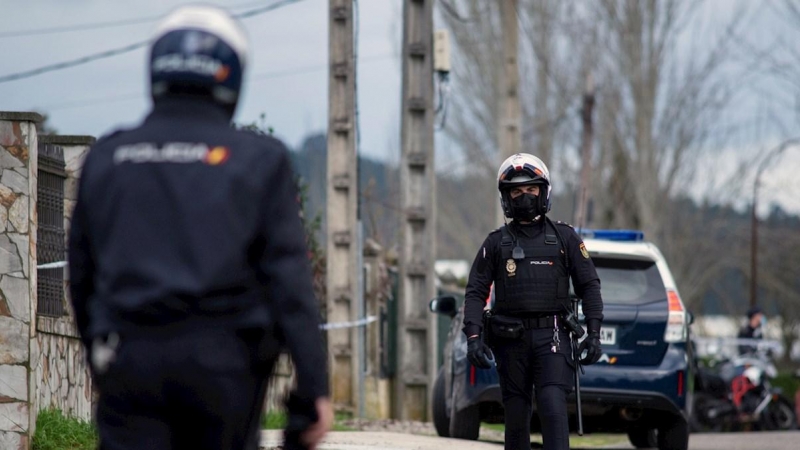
<point x="369" y="440"/>
<point x="777" y="440"/>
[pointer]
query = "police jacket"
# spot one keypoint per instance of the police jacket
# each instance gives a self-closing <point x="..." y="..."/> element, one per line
<point x="185" y="221"/>
<point x="537" y="284"/>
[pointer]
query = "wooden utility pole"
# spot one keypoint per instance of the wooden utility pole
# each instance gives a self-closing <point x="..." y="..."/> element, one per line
<point x="416" y="326"/>
<point x="509" y="140"/>
<point x="586" y="154"/>
<point x="342" y="203"/>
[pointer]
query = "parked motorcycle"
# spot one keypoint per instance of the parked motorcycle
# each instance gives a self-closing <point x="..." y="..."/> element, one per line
<point x="736" y="394"/>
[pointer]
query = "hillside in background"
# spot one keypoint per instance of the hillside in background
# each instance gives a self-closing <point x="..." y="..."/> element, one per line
<point x="463" y="223"/>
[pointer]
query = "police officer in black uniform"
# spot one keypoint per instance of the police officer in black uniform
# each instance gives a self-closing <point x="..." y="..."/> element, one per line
<point x="187" y="257"/>
<point x="530" y="261"/>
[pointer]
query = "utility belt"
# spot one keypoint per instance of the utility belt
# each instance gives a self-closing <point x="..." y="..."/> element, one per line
<point x="508" y="327"/>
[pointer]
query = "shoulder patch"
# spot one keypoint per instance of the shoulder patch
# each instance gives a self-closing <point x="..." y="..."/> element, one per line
<point x="584" y="252"/>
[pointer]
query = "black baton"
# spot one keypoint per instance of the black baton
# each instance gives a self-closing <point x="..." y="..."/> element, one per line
<point x="577" y="388"/>
<point x="575" y="359"/>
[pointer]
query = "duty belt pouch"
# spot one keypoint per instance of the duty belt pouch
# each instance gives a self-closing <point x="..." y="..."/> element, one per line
<point x="505" y="327"/>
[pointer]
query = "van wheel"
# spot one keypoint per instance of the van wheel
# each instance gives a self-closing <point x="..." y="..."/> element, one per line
<point x="439" y="407"/>
<point x="465" y="424"/>
<point x="674" y="434"/>
<point x="643" y="437"/>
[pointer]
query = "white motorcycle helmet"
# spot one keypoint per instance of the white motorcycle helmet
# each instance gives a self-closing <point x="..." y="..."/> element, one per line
<point x="753" y="374"/>
<point x="523" y="169"/>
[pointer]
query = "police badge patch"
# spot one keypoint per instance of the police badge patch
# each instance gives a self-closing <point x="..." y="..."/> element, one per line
<point x="511" y="267"/>
<point x="584" y="252"/>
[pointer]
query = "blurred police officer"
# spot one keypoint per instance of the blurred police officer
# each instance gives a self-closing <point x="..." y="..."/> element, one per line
<point x="752" y="329"/>
<point x="187" y="255"/>
<point x="530" y="261"/>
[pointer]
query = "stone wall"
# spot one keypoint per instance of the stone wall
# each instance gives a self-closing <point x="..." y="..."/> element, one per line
<point x="62" y="377"/>
<point x="281" y="383"/>
<point x="18" y="174"/>
<point x="61" y="374"/>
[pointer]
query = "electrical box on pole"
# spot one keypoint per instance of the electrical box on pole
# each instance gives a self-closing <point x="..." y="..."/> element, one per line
<point x="441" y="51"/>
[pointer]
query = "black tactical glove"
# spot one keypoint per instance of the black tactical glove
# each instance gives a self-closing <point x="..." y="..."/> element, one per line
<point x="591" y="345"/>
<point x="302" y="414"/>
<point x="479" y="354"/>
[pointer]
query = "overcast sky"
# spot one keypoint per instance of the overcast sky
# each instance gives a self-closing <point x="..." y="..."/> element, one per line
<point x="287" y="76"/>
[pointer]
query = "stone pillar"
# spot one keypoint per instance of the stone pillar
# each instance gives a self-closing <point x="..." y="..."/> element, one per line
<point x="18" y="173"/>
<point x="61" y="377"/>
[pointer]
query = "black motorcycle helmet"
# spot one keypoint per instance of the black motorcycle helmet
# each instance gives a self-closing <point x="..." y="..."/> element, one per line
<point x="199" y="51"/>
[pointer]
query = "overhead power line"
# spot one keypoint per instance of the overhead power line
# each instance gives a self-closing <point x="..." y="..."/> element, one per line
<point x="98" y="25"/>
<point x="125" y="49"/>
<point x="73" y="63"/>
<point x="256" y="77"/>
<point x="79" y="27"/>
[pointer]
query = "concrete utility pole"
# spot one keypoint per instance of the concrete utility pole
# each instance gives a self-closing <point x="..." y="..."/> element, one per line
<point x="586" y="154"/>
<point x="416" y="326"/>
<point x="509" y="140"/>
<point x="342" y="249"/>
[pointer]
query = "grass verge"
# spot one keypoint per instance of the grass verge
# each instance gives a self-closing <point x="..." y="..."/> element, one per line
<point x="55" y="431"/>
<point x="575" y="441"/>
<point x="277" y="421"/>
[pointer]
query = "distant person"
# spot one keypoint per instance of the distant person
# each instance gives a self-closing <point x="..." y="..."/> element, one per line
<point x="752" y="329"/>
<point x="187" y="255"/>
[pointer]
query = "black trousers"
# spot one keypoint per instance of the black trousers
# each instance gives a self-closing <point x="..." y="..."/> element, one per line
<point x="200" y="389"/>
<point x="526" y="365"/>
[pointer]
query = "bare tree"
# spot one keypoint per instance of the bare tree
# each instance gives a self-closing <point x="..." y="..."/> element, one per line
<point x="476" y="37"/>
<point x="779" y="287"/>
<point x="548" y="93"/>
<point x="660" y="97"/>
<point x="659" y="104"/>
<point x="660" y="100"/>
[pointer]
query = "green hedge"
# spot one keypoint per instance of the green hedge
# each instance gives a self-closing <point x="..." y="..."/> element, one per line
<point x="788" y="382"/>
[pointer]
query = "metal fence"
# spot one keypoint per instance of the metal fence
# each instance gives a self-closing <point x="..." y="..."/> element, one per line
<point x="50" y="246"/>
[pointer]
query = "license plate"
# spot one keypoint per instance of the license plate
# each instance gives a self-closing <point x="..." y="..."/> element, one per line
<point x="608" y="336"/>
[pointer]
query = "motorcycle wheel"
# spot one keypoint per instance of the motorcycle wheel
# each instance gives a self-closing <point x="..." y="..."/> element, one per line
<point x="778" y="415"/>
<point x="698" y="422"/>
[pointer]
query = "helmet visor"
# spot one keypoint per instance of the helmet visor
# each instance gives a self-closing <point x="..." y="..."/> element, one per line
<point x="520" y="175"/>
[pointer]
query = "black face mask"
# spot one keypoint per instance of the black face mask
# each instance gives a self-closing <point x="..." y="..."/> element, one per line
<point x="526" y="207"/>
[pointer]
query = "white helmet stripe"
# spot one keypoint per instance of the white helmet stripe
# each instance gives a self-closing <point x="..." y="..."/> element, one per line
<point x="207" y="18"/>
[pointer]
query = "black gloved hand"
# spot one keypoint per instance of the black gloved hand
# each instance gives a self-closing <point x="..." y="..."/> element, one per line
<point x="302" y="413"/>
<point x="591" y="345"/>
<point x="479" y="354"/>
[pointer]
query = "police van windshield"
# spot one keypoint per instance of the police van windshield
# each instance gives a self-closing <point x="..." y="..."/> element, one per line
<point x="632" y="282"/>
